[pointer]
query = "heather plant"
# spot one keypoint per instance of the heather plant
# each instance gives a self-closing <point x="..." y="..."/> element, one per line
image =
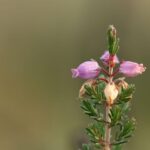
<point x="105" y="97"/>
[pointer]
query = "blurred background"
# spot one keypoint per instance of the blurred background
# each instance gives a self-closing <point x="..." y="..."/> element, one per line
<point x="40" y="40"/>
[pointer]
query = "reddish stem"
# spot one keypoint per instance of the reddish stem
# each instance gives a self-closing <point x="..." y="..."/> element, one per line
<point x="104" y="71"/>
<point x="104" y="79"/>
<point x="115" y="72"/>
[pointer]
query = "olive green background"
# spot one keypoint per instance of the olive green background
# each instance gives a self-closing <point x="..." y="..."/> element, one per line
<point x="40" y="40"/>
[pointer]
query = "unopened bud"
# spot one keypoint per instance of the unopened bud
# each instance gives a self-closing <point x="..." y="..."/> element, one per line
<point x="112" y="31"/>
<point x="112" y="40"/>
<point x="111" y="93"/>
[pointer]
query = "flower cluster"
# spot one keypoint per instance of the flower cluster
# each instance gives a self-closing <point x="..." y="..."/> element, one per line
<point x="106" y="97"/>
<point x="91" y="69"/>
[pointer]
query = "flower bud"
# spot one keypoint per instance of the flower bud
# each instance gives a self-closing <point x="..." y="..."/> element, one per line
<point x="106" y="58"/>
<point x="112" y="32"/>
<point x="131" y="69"/>
<point x="86" y="70"/>
<point x="112" y="40"/>
<point x="111" y="93"/>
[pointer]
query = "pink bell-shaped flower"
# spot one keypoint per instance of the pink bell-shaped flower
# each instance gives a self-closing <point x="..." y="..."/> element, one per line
<point x="131" y="69"/>
<point x="106" y="58"/>
<point x="86" y="70"/>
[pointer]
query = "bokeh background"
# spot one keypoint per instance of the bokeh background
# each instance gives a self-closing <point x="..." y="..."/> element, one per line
<point x="40" y="40"/>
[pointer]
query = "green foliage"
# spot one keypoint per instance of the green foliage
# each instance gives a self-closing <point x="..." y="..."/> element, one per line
<point x="91" y="147"/>
<point x="118" y="114"/>
<point x="95" y="93"/>
<point x="92" y="105"/>
<point x="92" y="101"/>
<point x="115" y="46"/>
<point x="113" y="41"/>
<point x="86" y="147"/>
<point x="115" y="115"/>
<point x="116" y="147"/>
<point x="89" y="108"/>
<point x="96" y="132"/>
<point x="126" y="131"/>
<point x="126" y="94"/>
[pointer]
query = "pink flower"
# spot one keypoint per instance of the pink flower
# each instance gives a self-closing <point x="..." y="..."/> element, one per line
<point x="131" y="69"/>
<point x="106" y="57"/>
<point x="86" y="70"/>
